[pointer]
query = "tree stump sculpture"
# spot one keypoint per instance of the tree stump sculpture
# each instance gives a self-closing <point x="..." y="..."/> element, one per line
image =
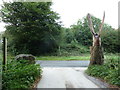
<point x="96" y="50"/>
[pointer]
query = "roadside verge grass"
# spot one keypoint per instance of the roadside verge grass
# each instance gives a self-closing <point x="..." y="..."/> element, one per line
<point x="63" y="58"/>
<point x="81" y="57"/>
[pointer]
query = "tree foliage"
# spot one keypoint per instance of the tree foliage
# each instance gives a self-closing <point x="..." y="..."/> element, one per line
<point x="82" y="31"/>
<point x="32" y="27"/>
<point x="80" y="34"/>
<point x="110" y="41"/>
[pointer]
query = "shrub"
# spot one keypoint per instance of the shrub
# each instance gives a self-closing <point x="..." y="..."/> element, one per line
<point x="73" y="48"/>
<point x="110" y="41"/>
<point x="20" y="75"/>
<point x="109" y="71"/>
<point x="97" y="70"/>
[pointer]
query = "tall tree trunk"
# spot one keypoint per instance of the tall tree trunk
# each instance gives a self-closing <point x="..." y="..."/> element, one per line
<point x="97" y="56"/>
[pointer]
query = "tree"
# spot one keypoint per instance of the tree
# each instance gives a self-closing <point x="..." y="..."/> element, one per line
<point x="96" y="49"/>
<point x="82" y="34"/>
<point x="32" y="27"/>
<point x="110" y="41"/>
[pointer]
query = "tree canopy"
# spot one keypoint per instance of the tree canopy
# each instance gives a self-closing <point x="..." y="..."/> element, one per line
<point x="80" y="34"/>
<point x="32" y="27"/>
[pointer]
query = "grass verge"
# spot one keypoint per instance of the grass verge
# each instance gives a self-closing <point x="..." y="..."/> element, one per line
<point x="63" y="58"/>
<point x="81" y="57"/>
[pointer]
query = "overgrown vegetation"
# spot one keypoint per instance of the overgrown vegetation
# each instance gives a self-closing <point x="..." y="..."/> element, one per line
<point x="20" y="75"/>
<point x="32" y="27"/>
<point x="110" y="41"/>
<point x="71" y="49"/>
<point x="80" y="34"/>
<point x="109" y="71"/>
<point x="84" y="56"/>
<point x="77" y="39"/>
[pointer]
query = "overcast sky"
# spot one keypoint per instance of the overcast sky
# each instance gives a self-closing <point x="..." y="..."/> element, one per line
<point x="71" y="11"/>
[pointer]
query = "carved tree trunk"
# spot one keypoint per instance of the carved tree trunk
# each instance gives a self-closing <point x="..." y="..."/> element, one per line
<point x="96" y="50"/>
<point x="97" y="56"/>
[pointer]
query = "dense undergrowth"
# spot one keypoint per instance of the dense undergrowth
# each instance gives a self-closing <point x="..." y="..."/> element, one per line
<point x="20" y="75"/>
<point x="109" y="71"/>
<point x="73" y="49"/>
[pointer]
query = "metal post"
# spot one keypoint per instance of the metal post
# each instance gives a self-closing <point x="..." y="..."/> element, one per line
<point x="4" y="52"/>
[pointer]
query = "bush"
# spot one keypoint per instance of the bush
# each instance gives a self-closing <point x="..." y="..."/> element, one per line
<point x="109" y="71"/>
<point x="72" y="49"/>
<point x="110" y="41"/>
<point x="113" y="63"/>
<point x="20" y="75"/>
<point x="97" y="70"/>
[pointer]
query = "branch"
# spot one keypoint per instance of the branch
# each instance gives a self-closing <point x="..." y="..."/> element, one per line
<point x="101" y="26"/>
<point x="90" y="24"/>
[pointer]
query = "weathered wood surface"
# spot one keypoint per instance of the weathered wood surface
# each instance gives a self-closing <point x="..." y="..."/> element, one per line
<point x="96" y="50"/>
<point x="97" y="56"/>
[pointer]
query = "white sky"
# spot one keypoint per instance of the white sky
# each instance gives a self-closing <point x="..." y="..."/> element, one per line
<point x="71" y="11"/>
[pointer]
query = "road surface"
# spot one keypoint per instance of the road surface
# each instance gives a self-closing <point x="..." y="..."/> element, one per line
<point x="66" y="74"/>
<point x="74" y="63"/>
<point x="61" y="77"/>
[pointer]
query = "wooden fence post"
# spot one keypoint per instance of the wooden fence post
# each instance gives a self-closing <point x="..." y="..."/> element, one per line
<point x="4" y="52"/>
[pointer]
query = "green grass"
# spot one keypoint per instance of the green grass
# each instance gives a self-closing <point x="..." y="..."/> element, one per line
<point x="63" y="58"/>
<point x="82" y="57"/>
<point x="109" y="56"/>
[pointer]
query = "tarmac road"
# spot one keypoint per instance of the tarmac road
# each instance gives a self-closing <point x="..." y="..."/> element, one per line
<point x="67" y="74"/>
<point x="74" y="63"/>
<point x="65" y="77"/>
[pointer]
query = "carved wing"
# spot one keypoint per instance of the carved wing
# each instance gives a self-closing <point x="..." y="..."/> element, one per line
<point x="90" y="24"/>
<point x="101" y="25"/>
